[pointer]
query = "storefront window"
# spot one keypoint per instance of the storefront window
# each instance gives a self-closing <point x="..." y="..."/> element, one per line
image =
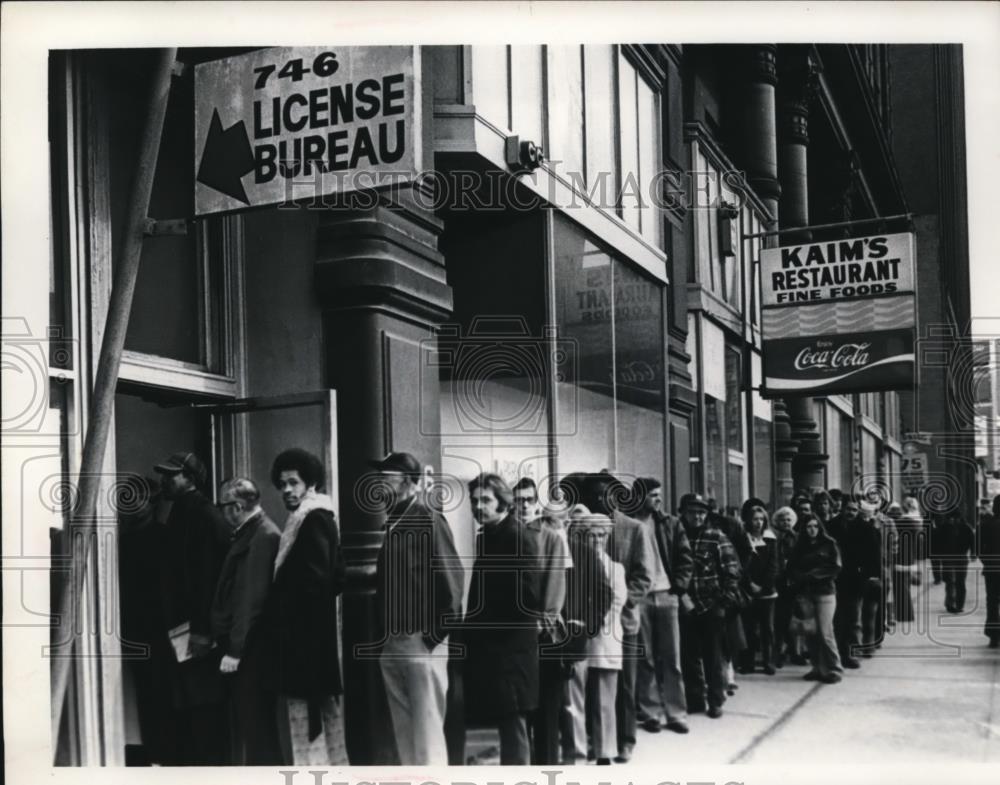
<point x="611" y="408"/>
<point x="639" y="372"/>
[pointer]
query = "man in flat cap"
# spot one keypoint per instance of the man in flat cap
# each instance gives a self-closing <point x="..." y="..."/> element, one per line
<point x="196" y="541"/>
<point x="711" y="591"/>
<point x="420" y="586"/>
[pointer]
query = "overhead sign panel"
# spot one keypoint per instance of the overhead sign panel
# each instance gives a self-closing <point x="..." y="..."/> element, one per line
<point x="839" y="316"/>
<point x="286" y="124"/>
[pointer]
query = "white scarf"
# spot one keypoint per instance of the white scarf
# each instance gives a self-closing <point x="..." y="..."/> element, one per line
<point x="311" y="501"/>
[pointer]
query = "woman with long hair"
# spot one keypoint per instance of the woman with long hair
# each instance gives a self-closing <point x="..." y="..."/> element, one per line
<point x="812" y="574"/>
<point x="759" y="584"/>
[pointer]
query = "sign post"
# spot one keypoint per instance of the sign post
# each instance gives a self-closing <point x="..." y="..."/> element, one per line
<point x="286" y="124"/>
<point x="839" y="316"/>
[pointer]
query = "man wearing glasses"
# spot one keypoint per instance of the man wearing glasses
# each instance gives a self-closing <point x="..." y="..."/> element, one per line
<point x="236" y="612"/>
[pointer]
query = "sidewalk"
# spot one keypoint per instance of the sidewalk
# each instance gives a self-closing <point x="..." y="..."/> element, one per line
<point x="931" y="694"/>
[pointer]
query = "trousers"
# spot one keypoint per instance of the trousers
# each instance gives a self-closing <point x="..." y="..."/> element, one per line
<point x="660" y="680"/>
<point x="625" y="711"/>
<point x="701" y="654"/>
<point x="602" y="683"/>
<point x="758" y="622"/>
<point x="823" y="643"/>
<point x="954" y="573"/>
<point x="416" y="685"/>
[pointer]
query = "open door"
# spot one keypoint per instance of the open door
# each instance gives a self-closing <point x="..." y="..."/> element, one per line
<point x="248" y="433"/>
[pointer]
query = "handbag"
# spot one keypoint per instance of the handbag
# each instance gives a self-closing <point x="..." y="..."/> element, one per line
<point x="803" y="616"/>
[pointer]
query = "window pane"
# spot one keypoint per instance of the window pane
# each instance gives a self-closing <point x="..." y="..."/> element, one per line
<point x="763" y="454"/>
<point x="585" y="317"/>
<point x="649" y="144"/>
<point x="166" y="316"/>
<point x="566" y="110"/>
<point x="734" y="399"/>
<point x="600" y="108"/>
<point x="526" y="90"/>
<point x="715" y="448"/>
<point x="639" y="367"/>
<point x="734" y="488"/>
<point x="489" y="83"/>
<point x="846" y="452"/>
<point x="628" y="132"/>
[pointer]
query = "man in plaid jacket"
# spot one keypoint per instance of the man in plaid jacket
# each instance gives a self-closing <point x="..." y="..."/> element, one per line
<point x="713" y="588"/>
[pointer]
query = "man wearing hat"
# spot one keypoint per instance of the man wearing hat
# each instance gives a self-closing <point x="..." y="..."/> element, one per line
<point x="711" y="591"/>
<point x="420" y="583"/>
<point x="195" y="546"/>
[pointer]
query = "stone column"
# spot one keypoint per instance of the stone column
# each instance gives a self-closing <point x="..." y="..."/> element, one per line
<point x="759" y="153"/>
<point x="381" y="282"/>
<point x="799" y="78"/>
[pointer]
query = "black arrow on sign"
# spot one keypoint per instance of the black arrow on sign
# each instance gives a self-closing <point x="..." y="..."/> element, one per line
<point x="226" y="158"/>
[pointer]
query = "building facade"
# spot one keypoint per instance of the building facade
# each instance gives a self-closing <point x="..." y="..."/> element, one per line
<point x="600" y="311"/>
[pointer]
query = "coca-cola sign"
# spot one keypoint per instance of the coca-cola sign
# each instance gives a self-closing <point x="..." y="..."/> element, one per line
<point x="827" y="355"/>
<point x="856" y="362"/>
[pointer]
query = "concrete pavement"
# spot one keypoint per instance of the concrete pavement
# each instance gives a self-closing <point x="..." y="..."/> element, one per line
<point x="930" y="695"/>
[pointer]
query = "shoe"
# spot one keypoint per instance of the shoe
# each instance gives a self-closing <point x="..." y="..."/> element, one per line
<point x="624" y="755"/>
<point x="696" y="708"/>
<point x="994" y="643"/>
<point x="677" y="726"/>
<point x="769" y="670"/>
<point x="850" y="662"/>
<point x="867" y="654"/>
<point x="745" y="670"/>
<point x="799" y="659"/>
<point x="731" y="689"/>
<point x="651" y="725"/>
<point x="714" y="712"/>
<point x="811" y="676"/>
<point x="831" y="678"/>
<point x="604" y="761"/>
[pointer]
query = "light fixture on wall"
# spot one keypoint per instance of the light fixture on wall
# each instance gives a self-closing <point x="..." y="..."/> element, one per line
<point x="523" y="156"/>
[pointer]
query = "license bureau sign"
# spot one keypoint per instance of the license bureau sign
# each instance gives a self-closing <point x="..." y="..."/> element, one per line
<point x="840" y="363"/>
<point x="286" y="124"/>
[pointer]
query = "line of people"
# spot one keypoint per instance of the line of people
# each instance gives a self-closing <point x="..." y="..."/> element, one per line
<point x="585" y="618"/>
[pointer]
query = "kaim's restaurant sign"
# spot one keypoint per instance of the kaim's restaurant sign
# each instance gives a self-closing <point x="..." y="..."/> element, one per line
<point x="839" y="316"/>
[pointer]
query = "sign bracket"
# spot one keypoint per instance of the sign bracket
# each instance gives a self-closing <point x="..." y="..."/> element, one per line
<point x="837" y="225"/>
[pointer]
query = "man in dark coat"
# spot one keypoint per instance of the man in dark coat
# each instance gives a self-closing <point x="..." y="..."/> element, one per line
<point x="851" y="542"/>
<point x="503" y="614"/>
<point x="301" y="615"/>
<point x="242" y="591"/>
<point x="989" y="555"/>
<point x="954" y="539"/>
<point x="632" y="546"/>
<point x="195" y="544"/>
<point x="419" y="585"/>
<point x="660" y="682"/>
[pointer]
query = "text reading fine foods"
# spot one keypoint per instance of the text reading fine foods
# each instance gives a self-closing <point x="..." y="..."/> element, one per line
<point x="850" y="267"/>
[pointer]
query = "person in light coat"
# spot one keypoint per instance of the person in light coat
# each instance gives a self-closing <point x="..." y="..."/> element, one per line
<point x="603" y="652"/>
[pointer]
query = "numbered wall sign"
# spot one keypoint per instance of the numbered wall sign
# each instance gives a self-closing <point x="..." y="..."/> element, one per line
<point x="288" y="124"/>
<point x="913" y="467"/>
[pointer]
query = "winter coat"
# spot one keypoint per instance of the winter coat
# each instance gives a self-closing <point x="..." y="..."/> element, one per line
<point x="589" y="594"/>
<point x="715" y="580"/>
<point x="301" y="612"/>
<point x="501" y="625"/>
<point x="604" y="650"/>
<point x="632" y="546"/>
<point x="762" y="566"/>
<point x="814" y="565"/>
<point x="675" y="551"/>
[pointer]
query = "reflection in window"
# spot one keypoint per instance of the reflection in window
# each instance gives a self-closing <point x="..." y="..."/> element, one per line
<point x="715" y="448"/>
<point x="611" y="405"/>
